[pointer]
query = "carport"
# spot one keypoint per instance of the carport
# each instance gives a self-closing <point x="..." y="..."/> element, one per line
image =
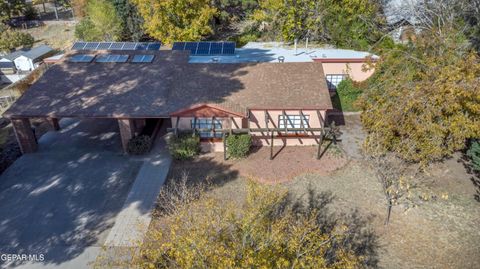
<point x="129" y="92"/>
<point x="27" y="140"/>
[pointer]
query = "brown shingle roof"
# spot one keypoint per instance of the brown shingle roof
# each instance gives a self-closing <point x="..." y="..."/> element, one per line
<point x="170" y="84"/>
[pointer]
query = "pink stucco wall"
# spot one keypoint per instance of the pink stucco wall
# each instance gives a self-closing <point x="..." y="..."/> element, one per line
<point x="257" y="120"/>
<point x="353" y="69"/>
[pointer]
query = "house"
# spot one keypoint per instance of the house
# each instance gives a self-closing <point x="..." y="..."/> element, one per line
<point x="8" y="64"/>
<point x="31" y="59"/>
<point x="278" y="103"/>
<point x="16" y="65"/>
<point x="337" y="63"/>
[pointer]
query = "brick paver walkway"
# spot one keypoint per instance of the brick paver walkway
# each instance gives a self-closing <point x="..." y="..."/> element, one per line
<point x="132" y="222"/>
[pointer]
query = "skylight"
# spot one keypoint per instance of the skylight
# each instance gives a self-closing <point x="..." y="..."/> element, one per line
<point x="82" y="58"/>
<point x="142" y="58"/>
<point x="111" y="58"/>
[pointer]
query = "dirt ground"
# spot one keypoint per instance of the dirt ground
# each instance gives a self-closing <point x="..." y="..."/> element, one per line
<point x="9" y="149"/>
<point x="58" y="35"/>
<point x="439" y="233"/>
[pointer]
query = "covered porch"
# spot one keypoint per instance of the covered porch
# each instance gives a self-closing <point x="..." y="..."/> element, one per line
<point x="268" y="127"/>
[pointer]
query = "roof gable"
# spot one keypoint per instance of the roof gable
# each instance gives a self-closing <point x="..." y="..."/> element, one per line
<point x="205" y="111"/>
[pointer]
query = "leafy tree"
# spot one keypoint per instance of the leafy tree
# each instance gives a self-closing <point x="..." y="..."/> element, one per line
<point x="232" y="12"/>
<point x="30" y="12"/>
<point x="177" y="20"/>
<point x="345" y="23"/>
<point x="346" y="95"/>
<point x="11" y="39"/>
<point x="354" y="23"/>
<point x="11" y="8"/>
<point x="131" y="20"/>
<point x="269" y="231"/>
<point x="474" y="154"/>
<point x="101" y="24"/>
<point x="79" y="8"/>
<point x="423" y="102"/>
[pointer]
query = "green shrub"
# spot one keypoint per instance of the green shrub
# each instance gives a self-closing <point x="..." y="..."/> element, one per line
<point x="184" y="146"/>
<point x="347" y="94"/>
<point x="139" y="145"/>
<point x="238" y="146"/>
<point x="474" y="154"/>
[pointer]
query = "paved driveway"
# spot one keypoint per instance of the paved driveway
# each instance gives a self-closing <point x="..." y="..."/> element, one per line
<point x="62" y="200"/>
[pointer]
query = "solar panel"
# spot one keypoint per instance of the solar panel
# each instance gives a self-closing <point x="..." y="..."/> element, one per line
<point x="111" y="58"/>
<point x="81" y="58"/>
<point x="104" y="45"/>
<point x="192" y="46"/>
<point x="116" y="46"/>
<point x="228" y="48"/>
<point x="178" y="46"/>
<point x="203" y="48"/>
<point x="91" y="46"/>
<point x="129" y="46"/>
<point x="154" y="46"/>
<point x="141" y="46"/>
<point x="142" y="58"/>
<point x="216" y="48"/>
<point x="79" y="45"/>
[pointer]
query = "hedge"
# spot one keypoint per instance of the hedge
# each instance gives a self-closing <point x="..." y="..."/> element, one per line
<point x="184" y="146"/>
<point x="139" y="145"/>
<point x="238" y="146"/>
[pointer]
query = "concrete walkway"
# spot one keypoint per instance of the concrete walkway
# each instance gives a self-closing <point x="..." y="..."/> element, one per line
<point x="132" y="222"/>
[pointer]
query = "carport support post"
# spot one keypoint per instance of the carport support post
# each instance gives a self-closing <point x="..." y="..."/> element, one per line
<point x="127" y="131"/>
<point x="25" y="135"/>
<point x="54" y="123"/>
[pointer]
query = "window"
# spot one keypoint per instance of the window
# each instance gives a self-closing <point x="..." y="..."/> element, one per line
<point x="207" y="124"/>
<point x="293" y="121"/>
<point x="334" y="80"/>
<point x="111" y="58"/>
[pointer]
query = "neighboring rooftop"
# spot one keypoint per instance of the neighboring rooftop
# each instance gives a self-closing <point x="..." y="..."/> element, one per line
<point x="14" y="55"/>
<point x="255" y="52"/>
<point x="33" y="53"/>
<point x="37" y="52"/>
<point x="167" y="85"/>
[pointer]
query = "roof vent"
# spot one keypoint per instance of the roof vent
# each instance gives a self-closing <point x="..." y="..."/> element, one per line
<point x="324" y="55"/>
<point x="281" y="59"/>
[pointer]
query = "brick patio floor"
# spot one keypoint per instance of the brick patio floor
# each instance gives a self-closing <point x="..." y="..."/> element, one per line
<point x="288" y="163"/>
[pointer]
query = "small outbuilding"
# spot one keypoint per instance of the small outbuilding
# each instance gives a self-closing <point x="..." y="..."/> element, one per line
<point x="31" y="59"/>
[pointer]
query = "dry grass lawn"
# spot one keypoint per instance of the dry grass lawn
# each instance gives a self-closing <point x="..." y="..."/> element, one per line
<point x="58" y="35"/>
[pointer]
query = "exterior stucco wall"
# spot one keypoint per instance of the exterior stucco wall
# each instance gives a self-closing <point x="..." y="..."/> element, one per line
<point x="207" y="146"/>
<point x="186" y="122"/>
<point x="353" y="69"/>
<point x="257" y="120"/>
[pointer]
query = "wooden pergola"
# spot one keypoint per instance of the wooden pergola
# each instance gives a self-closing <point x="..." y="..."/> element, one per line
<point x="326" y="132"/>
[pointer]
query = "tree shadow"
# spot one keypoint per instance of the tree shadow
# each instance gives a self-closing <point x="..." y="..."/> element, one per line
<point x="475" y="174"/>
<point x="358" y="237"/>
